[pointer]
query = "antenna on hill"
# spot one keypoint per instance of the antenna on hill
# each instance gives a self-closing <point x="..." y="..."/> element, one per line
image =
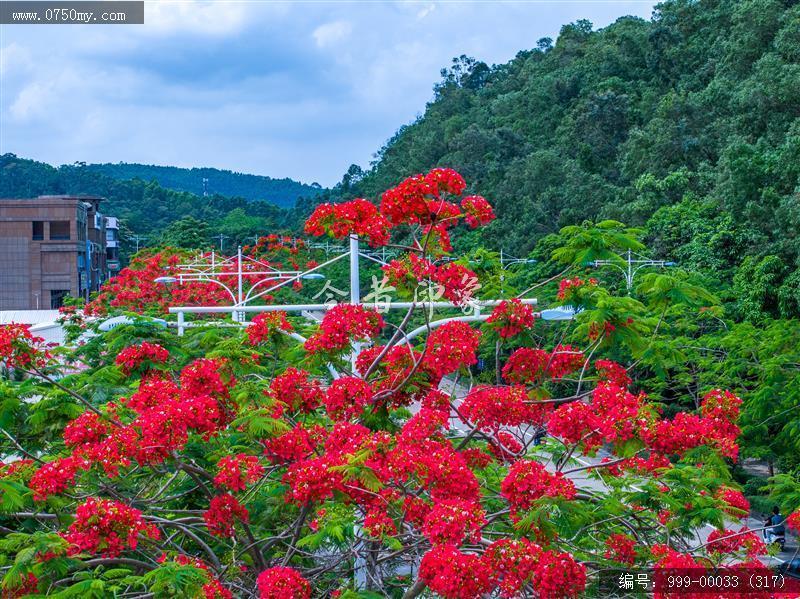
<point x="205" y="187"/>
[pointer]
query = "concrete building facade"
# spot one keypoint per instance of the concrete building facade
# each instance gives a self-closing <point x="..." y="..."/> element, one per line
<point x="50" y="247"/>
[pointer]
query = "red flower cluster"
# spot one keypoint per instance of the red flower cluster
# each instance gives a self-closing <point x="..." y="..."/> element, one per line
<point x="567" y="286"/>
<point x="54" y="477"/>
<point x="451" y="521"/>
<point x="564" y="360"/>
<point x="716" y="427"/>
<point x="235" y="472"/>
<point x="528" y="481"/>
<point x="297" y="391"/>
<point x="612" y="372"/>
<point x="297" y="444"/>
<point x="266" y="326"/>
<point x="20" y="349"/>
<point x="135" y="289"/>
<point x="107" y="527"/>
<point x="727" y="541"/>
<point x="140" y="357"/>
<point x="347" y="397"/>
<point x="613" y="415"/>
<point x="558" y="576"/>
<point x="458" y="283"/>
<point x="87" y="428"/>
<point x="526" y="365"/>
<point x="417" y="198"/>
<point x="450" y="347"/>
<point x="511" y="563"/>
<point x="311" y="480"/>
<point x="529" y="365"/>
<point x="343" y="324"/>
<point x="453" y="281"/>
<point x="399" y="373"/>
<point x="478" y="211"/>
<point x="283" y="583"/>
<point x="491" y="407"/>
<point x="505" y="447"/>
<point x="793" y="521"/>
<point x="511" y="317"/>
<point x="621" y="548"/>
<point x="452" y="574"/>
<point x="356" y="217"/>
<point x="223" y="511"/>
<point x="738" y="506"/>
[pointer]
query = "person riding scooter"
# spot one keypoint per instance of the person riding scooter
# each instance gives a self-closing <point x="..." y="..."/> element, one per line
<point x="774" y="528"/>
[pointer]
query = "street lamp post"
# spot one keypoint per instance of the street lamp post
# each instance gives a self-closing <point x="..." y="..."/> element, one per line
<point x="632" y="266"/>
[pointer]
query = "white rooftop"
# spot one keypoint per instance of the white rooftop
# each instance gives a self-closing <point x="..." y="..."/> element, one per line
<point x="27" y="316"/>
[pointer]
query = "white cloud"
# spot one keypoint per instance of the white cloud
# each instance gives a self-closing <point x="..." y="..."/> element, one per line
<point x="332" y="33"/>
<point x="426" y="10"/>
<point x="15" y="59"/>
<point x="195" y="16"/>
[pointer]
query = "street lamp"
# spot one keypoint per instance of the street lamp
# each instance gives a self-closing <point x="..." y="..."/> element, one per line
<point x="631" y="266"/>
<point x="562" y="313"/>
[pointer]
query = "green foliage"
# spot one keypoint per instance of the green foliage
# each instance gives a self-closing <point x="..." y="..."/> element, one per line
<point x="281" y="192"/>
<point x="187" y="233"/>
<point x="602" y="241"/>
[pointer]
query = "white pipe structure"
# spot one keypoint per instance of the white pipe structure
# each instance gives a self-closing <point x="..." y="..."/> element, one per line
<point x="181" y="311"/>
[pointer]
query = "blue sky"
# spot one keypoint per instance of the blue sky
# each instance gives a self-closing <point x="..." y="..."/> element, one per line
<point x="297" y="89"/>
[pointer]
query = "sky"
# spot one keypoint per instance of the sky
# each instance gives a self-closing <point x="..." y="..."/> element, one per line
<point x="284" y="89"/>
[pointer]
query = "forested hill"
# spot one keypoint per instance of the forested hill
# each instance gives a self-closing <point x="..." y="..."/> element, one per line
<point x="145" y="207"/>
<point x="281" y="192"/>
<point x="689" y="122"/>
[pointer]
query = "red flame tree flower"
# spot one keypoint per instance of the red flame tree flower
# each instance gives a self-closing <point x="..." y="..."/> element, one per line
<point x="362" y="451"/>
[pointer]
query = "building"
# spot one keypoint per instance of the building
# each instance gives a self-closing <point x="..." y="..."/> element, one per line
<point x="51" y="247"/>
<point x="112" y="245"/>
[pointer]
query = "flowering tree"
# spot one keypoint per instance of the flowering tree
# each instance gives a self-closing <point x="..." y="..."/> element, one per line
<point x="233" y="463"/>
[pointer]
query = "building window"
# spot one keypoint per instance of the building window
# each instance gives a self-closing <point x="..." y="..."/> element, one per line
<point x="59" y="230"/>
<point x="38" y="230"/>
<point x="57" y="298"/>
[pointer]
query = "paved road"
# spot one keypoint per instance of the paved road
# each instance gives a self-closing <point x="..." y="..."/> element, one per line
<point x="583" y="481"/>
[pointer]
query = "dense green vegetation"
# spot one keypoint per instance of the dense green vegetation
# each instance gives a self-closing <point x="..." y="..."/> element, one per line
<point x="281" y="192"/>
<point x="688" y="124"/>
<point x="145" y="208"/>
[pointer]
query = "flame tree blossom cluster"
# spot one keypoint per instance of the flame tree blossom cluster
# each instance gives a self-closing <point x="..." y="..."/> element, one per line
<point x="342" y="325"/>
<point x="140" y="357"/>
<point x="235" y="472"/>
<point x="451" y="347"/>
<point x="165" y="416"/>
<point x="359" y="217"/>
<point x="222" y="514"/>
<point x="527" y="481"/>
<point x="266" y="326"/>
<point x="511" y="317"/>
<point x="135" y="288"/>
<point x="20" y="349"/>
<point x="533" y="365"/>
<point x="268" y="478"/>
<point x="105" y="527"/>
<point x="424" y="200"/>
<point x="283" y="583"/>
<point x="451" y="280"/>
